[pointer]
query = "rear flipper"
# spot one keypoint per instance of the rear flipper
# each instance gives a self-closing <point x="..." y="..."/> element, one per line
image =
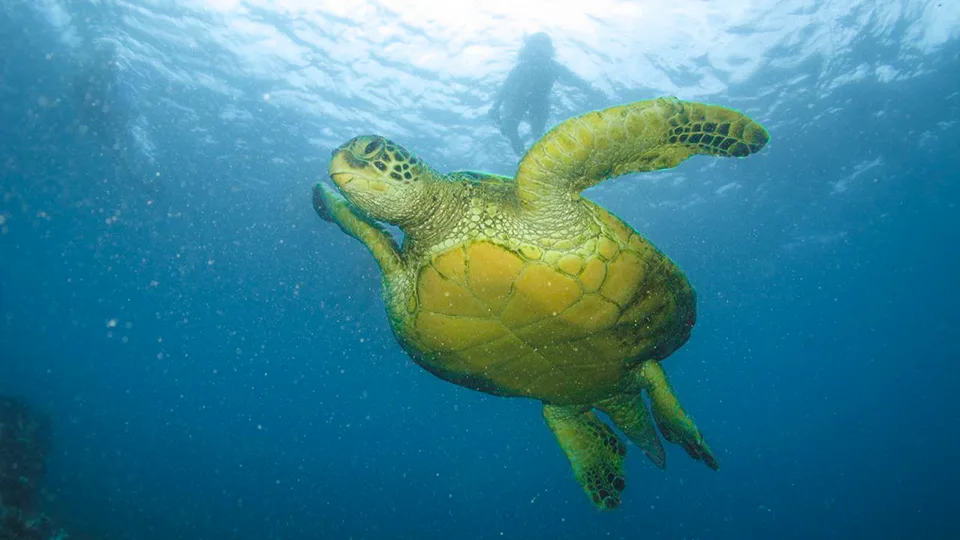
<point x="676" y="426"/>
<point x="631" y="415"/>
<point x="595" y="452"/>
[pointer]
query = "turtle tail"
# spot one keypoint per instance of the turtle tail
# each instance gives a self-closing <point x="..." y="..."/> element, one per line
<point x="633" y="418"/>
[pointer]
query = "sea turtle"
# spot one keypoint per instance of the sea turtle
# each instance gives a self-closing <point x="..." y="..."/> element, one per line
<point x="522" y="287"/>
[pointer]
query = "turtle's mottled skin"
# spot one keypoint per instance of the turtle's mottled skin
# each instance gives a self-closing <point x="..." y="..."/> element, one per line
<point x="524" y="288"/>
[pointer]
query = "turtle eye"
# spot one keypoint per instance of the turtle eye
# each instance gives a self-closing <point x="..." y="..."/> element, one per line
<point x="373" y="146"/>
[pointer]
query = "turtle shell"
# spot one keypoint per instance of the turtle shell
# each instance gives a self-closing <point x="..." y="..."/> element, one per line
<point x="551" y="320"/>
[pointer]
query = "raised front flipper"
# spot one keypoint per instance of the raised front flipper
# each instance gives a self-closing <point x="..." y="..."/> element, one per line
<point x="638" y="137"/>
<point x="594" y="450"/>
<point x="331" y="206"/>
<point x="631" y="415"/>
<point x="675" y="424"/>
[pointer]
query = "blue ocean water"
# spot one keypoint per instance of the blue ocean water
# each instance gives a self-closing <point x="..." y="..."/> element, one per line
<point x="216" y="360"/>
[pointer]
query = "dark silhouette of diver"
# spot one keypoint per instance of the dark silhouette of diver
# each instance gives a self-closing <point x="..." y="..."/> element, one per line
<point x="101" y="109"/>
<point x="107" y="108"/>
<point x="525" y="94"/>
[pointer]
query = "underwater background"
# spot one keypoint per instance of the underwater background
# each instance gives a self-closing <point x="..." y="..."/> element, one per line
<point x="215" y="360"/>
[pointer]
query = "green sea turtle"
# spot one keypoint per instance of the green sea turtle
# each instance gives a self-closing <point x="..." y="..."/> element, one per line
<point x="522" y="287"/>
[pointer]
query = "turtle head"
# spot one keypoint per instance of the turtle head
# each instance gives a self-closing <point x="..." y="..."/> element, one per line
<point x="382" y="178"/>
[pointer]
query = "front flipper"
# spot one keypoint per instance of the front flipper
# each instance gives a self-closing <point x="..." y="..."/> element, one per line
<point x="631" y="415"/>
<point x="331" y="206"/>
<point x="676" y="426"/>
<point x="595" y="452"/>
<point x="637" y="137"/>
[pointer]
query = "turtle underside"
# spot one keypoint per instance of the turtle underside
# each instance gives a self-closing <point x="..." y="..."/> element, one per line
<point x="559" y="321"/>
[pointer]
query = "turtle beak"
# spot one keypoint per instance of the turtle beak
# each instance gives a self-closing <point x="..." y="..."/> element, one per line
<point x="342" y="179"/>
<point x="343" y="167"/>
<point x="347" y="169"/>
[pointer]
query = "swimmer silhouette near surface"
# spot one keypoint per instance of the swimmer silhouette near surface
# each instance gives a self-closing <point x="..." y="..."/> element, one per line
<point x="525" y="94"/>
<point x="107" y="108"/>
